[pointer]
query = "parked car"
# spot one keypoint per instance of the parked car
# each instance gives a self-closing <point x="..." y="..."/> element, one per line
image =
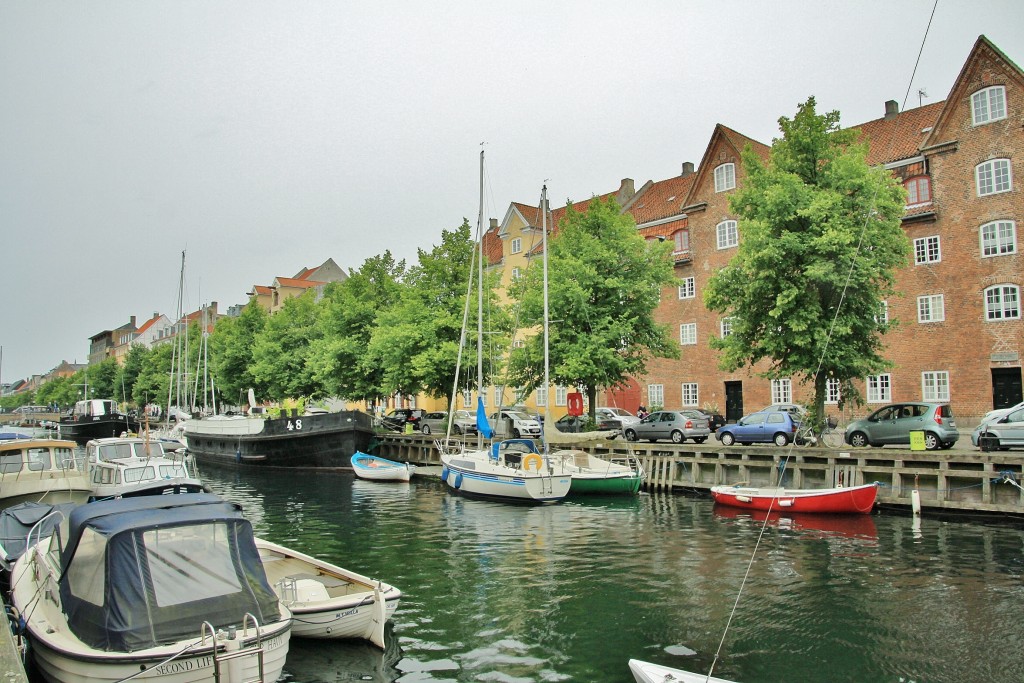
<point x="775" y="426"/>
<point x="892" y="424"/>
<point x="515" y="424"/>
<point x="397" y="418"/>
<point x="573" y="425"/>
<point x="715" y="419"/>
<point x="437" y="423"/>
<point x="677" y="425"/>
<point x="623" y="417"/>
<point x="1006" y="426"/>
<point x="532" y="414"/>
<point x="795" y="409"/>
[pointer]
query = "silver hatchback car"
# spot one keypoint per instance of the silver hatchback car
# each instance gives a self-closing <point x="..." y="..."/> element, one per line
<point x="677" y="425"/>
<point x="893" y="424"/>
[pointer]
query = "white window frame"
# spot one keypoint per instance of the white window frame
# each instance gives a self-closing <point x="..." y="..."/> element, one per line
<point x="782" y="391"/>
<point x="935" y="385"/>
<point x="727" y="234"/>
<point x="655" y="395"/>
<point x="561" y="395"/>
<point x="882" y="317"/>
<point x="1002" y="302"/>
<point x="688" y="288"/>
<point x="690" y="394"/>
<point x="931" y="308"/>
<point x="688" y="334"/>
<point x="516" y="245"/>
<point x="467" y="398"/>
<point x="499" y="395"/>
<point x="515" y="273"/>
<point x="927" y="250"/>
<point x="833" y="391"/>
<point x="540" y="396"/>
<point x="988" y="105"/>
<point x="998" y="238"/>
<point x="725" y="177"/>
<point x="879" y="388"/>
<point x="725" y="327"/>
<point x="993" y="177"/>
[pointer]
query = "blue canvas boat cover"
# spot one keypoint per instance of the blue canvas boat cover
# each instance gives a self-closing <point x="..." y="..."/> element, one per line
<point x="147" y="571"/>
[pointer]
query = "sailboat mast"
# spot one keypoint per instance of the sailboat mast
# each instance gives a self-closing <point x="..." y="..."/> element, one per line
<point x="544" y="247"/>
<point x="480" y="286"/>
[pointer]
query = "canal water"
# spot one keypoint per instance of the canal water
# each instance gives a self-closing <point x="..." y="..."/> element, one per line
<point x="571" y="592"/>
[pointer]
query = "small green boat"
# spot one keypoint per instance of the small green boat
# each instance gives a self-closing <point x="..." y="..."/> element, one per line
<point x="591" y="474"/>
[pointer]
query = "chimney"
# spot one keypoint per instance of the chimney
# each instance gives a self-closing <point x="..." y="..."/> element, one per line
<point x="892" y="108"/>
<point x="132" y="321"/>
<point x="213" y="307"/>
<point x="494" y="225"/>
<point x="626" y="191"/>
<point x="687" y="168"/>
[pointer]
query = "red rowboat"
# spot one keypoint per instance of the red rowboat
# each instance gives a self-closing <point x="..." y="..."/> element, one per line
<point x="841" y="500"/>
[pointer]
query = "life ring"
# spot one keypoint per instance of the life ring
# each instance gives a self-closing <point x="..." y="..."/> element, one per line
<point x="532" y="462"/>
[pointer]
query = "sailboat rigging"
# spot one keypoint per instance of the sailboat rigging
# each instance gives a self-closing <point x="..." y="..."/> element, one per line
<point x="510" y="469"/>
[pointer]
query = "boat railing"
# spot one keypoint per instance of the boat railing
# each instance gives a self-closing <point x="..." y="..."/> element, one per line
<point x="234" y="649"/>
<point x="38" y="527"/>
<point x="449" y="447"/>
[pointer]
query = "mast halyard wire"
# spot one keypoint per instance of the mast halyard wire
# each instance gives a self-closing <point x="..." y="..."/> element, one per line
<point x="821" y="360"/>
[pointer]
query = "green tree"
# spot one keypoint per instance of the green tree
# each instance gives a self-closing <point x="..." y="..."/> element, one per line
<point x="129" y="372"/>
<point x="821" y="244"/>
<point x="154" y="378"/>
<point x="604" y="282"/>
<point x="416" y="341"/>
<point x="280" y="352"/>
<point x="231" y="352"/>
<point x="347" y="319"/>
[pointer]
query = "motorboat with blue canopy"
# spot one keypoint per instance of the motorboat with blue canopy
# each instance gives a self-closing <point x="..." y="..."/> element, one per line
<point x="151" y="583"/>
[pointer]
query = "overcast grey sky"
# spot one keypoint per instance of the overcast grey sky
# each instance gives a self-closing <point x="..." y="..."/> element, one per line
<point x="264" y="137"/>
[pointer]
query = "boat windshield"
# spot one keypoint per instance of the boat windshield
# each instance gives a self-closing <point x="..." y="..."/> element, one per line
<point x="133" y="474"/>
<point x="175" y="470"/>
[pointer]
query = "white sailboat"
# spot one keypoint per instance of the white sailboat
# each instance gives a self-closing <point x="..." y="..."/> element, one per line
<point x="512" y="469"/>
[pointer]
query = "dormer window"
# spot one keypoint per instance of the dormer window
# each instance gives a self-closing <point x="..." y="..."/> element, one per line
<point x="988" y="105"/>
<point x="725" y="177"/>
<point x="919" y="190"/>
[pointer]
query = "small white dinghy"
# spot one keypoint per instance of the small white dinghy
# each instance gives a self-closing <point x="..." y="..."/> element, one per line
<point x="325" y="600"/>
<point x="646" y="672"/>
<point x="371" y="467"/>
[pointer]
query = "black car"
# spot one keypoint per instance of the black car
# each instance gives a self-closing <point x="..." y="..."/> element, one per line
<point x="715" y="420"/>
<point x="397" y="418"/>
<point x="574" y="425"/>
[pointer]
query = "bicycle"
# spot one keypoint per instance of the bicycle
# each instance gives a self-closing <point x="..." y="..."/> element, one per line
<point x="829" y="436"/>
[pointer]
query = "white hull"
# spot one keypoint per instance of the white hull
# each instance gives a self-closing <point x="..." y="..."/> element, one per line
<point x="41" y="479"/>
<point x="382" y="470"/>
<point x="645" y="672"/>
<point x="63" y="658"/>
<point x="326" y="600"/>
<point x="475" y="473"/>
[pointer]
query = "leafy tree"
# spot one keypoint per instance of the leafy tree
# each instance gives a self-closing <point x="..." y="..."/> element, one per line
<point x="604" y="282"/>
<point x="102" y="379"/>
<point x="416" y="341"/>
<point x="231" y="352"/>
<point x="347" y="318"/>
<point x="280" y="352"/>
<point x="821" y="244"/>
<point x="153" y="382"/>
<point x="129" y="372"/>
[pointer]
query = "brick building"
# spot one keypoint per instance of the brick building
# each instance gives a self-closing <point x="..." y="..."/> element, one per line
<point x="959" y="337"/>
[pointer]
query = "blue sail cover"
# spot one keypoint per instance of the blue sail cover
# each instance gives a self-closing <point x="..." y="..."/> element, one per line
<point x="141" y="572"/>
<point x="482" y="425"/>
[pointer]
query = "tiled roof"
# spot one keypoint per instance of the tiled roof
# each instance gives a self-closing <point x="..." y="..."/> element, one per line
<point x="299" y="284"/>
<point x="148" y="324"/>
<point x="662" y="199"/>
<point x="493" y="249"/>
<point x="739" y="141"/>
<point x="901" y="136"/>
<point x="261" y="289"/>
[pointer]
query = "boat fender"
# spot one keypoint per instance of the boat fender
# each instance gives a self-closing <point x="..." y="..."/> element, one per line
<point x="785" y="502"/>
<point x="532" y="463"/>
<point x="743" y="499"/>
<point x="458" y="480"/>
<point x="444" y="474"/>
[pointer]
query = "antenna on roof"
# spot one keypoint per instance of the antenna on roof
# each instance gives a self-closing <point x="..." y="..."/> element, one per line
<point x="921" y="94"/>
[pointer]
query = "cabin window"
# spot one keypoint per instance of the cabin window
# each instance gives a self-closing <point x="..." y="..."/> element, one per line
<point x="86" y="573"/>
<point x="190" y="563"/>
<point x="39" y="460"/>
<point x="134" y="474"/>
<point x="10" y="462"/>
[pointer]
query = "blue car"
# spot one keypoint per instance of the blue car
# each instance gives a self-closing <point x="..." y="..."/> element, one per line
<point x="776" y="427"/>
